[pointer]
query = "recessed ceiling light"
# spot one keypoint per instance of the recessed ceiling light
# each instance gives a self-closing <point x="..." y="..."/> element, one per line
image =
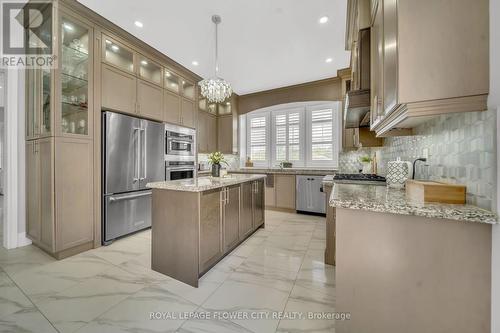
<point x="138" y="24"/>
<point x="68" y="26"/>
<point x="115" y="48"/>
<point x="195" y="63"/>
<point x="1" y="87"/>
<point x="328" y="60"/>
<point x="323" y="19"/>
<point x="144" y="62"/>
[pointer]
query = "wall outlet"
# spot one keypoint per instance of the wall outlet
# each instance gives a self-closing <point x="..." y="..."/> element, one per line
<point x="425" y="153"/>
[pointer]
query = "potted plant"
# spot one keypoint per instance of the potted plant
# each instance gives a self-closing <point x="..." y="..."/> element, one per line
<point x="367" y="163"/>
<point x="216" y="159"/>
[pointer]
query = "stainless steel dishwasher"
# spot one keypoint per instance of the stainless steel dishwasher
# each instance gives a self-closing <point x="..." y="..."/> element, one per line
<point x="310" y="195"/>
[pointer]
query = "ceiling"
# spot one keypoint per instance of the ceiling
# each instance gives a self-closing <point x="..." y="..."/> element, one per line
<point x="263" y="44"/>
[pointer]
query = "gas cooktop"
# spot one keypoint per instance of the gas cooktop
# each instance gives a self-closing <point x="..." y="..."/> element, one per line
<point x="358" y="178"/>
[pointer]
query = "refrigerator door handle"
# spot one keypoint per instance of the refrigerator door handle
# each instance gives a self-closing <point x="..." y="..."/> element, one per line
<point x="137" y="154"/>
<point x="128" y="197"/>
<point x="144" y="154"/>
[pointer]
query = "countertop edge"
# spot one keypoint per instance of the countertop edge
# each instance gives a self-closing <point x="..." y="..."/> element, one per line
<point x="181" y="186"/>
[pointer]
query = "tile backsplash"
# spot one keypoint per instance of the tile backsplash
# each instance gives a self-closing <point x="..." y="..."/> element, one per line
<point x="461" y="149"/>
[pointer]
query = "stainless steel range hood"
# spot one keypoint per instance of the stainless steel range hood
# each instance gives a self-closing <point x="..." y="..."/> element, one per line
<point x="357" y="108"/>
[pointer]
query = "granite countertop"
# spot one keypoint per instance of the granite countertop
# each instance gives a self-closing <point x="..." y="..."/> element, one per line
<point x="286" y="171"/>
<point x="385" y="200"/>
<point x="201" y="184"/>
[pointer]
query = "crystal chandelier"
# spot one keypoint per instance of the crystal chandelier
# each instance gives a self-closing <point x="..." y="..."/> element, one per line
<point x="216" y="89"/>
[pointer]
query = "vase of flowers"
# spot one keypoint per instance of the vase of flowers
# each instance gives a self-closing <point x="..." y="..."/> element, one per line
<point x="216" y="159"/>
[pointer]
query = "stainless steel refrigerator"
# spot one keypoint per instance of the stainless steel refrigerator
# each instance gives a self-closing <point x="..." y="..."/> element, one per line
<point x="133" y="154"/>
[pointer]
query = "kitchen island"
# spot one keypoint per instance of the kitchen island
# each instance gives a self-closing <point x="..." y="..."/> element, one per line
<point x="403" y="266"/>
<point x="196" y="222"/>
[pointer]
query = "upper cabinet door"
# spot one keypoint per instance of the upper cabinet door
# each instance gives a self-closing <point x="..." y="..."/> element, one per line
<point x="149" y="70"/>
<point x="172" y="81"/>
<point x="75" y="77"/>
<point x="390" y="65"/>
<point x="149" y="99"/>
<point x="188" y="115"/>
<point x="117" y="55"/>
<point x="39" y="93"/>
<point x="171" y="107"/>
<point x="188" y="89"/>
<point x="118" y="90"/>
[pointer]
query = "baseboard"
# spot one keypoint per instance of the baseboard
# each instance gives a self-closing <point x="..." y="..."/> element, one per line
<point x="22" y="240"/>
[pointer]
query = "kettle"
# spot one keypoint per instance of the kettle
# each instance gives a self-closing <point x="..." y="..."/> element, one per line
<point x="397" y="173"/>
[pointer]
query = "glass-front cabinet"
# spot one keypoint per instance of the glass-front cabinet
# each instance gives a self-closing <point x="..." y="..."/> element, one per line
<point x="118" y="55"/>
<point x="188" y="89"/>
<point x="39" y="93"/>
<point x="75" y="75"/>
<point x="172" y="81"/>
<point x="149" y="70"/>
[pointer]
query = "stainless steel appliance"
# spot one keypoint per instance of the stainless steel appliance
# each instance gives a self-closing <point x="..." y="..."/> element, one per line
<point x="179" y="143"/>
<point x="132" y="156"/>
<point x="175" y="170"/>
<point x="310" y="196"/>
<point x="358" y="178"/>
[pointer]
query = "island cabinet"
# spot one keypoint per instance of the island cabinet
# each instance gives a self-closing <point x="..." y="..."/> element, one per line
<point x="196" y="223"/>
<point x="211" y="246"/>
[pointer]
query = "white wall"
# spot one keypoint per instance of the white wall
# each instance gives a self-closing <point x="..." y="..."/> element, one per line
<point x="494" y="102"/>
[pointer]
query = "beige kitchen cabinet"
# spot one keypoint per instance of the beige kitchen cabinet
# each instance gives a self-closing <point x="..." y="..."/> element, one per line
<point x="201" y="136"/>
<point x="211" y="247"/>
<point x="59" y="210"/>
<point x="211" y="132"/>
<point x="118" y="90"/>
<point x="330" y="228"/>
<point x="73" y="193"/>
<point x="225" y="134"/>
<point x="270" y="191"/>
<point x="247" y="211"/>
<point x="258" y="203"/>
<point x="149" y="70"/>
<point x="188" y="113"/>
<point x="285" y="191"/>
<point x="171" y="107"/>
<point x="231" y="216"/>
<point x="426" y="71"/>
<point x="149" y="100"/>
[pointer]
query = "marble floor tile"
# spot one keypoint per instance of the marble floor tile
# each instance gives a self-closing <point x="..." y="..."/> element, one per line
<point x="74" y="307"/>
<point x="26" y="321"/>
<point x="57" y="276"/>
<point x="23" y="258"/>
<point x="12" y="299"/>
<point x="113" y="289"/>
<point x="212" y="326"/>
<point x="123" y="250"/>
<point x="134" y="313"/>
<point x="194" y="295"/>
<point x="248" y="298"/>
<point x="306" y="323"/>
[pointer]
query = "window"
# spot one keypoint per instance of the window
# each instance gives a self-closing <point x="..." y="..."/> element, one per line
<point x="288" y="131"/>
<point x="305" y="134"/>
<point x="258" y="138"/>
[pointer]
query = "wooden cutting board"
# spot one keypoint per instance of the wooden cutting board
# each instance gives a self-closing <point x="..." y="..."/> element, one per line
<point x="433" y="191"/>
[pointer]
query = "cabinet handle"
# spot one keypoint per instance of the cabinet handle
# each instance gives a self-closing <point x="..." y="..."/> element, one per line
<point x="227" y="196"/>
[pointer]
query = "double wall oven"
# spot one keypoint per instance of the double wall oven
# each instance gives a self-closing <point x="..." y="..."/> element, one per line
<point x="180" y="152"/>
